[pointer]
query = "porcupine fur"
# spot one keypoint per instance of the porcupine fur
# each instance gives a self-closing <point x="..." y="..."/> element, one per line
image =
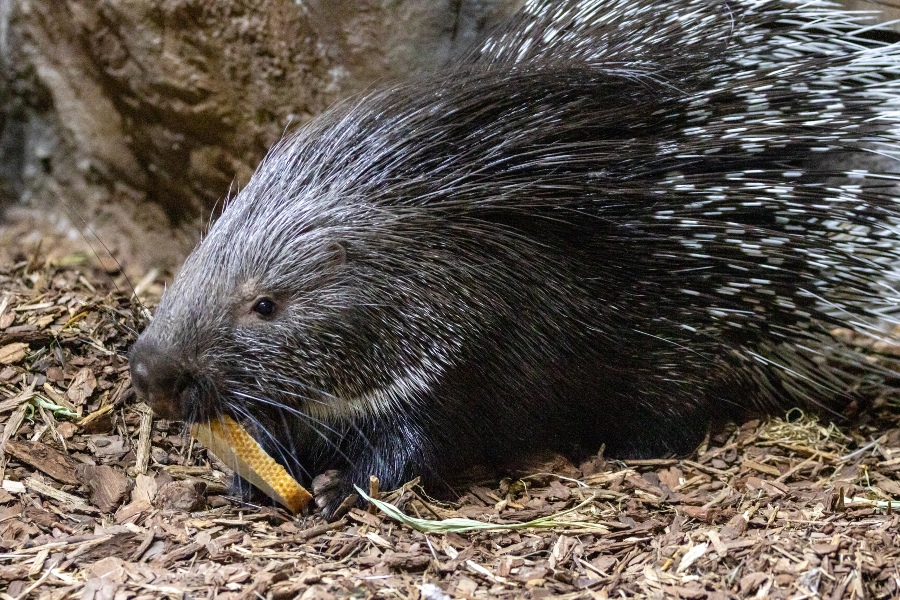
<point x="613" y="222"/>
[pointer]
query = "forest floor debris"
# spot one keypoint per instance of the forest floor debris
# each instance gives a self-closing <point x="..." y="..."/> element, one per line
<point x="100" y="500"/>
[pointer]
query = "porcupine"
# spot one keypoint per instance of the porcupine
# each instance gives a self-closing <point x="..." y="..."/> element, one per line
<point x="612" y="222"/>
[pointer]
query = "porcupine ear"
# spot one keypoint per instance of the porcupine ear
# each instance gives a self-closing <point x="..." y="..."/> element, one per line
<point x="594" y="33"/>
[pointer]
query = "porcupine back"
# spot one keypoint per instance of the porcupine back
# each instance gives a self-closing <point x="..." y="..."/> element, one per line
<point x="613" y="222"/>
<point x="769" y="171"/>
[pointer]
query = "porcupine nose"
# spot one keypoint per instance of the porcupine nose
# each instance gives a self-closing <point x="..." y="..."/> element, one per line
<point x="159" y="379"/>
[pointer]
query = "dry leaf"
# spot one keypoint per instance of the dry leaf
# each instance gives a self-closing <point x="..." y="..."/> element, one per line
<point x="82" y="386"/>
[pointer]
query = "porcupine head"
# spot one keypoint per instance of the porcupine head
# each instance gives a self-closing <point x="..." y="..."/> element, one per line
<point x="601" y="226"/>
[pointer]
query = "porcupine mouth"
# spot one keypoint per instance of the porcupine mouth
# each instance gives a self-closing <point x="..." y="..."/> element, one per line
<point x="192" y="400"/>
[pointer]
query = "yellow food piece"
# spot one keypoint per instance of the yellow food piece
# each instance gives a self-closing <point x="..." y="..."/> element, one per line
<point x="224" y="437"/>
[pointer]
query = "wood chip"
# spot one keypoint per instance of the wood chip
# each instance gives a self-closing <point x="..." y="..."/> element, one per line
<point x="142" y="451"/>
<point x="10" y="354"/>
<point x="108" y="486"/>
<point x="54" y="463"/>
<point x="70" y="501"/>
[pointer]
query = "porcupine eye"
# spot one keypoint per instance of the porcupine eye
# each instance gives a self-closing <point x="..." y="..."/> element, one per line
<point x="264" y="307"/>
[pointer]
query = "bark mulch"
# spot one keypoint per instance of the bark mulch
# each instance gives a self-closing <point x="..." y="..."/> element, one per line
<point x="100" y="500"/>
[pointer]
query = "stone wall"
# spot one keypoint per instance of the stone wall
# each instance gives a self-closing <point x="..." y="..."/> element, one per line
<point x="135" y="117"/>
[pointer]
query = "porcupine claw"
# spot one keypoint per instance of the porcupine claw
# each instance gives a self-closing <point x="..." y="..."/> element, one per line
<point x="328" y="491"/>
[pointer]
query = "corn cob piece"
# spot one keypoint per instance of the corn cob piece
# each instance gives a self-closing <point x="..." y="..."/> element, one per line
<point x="230" y="442"/>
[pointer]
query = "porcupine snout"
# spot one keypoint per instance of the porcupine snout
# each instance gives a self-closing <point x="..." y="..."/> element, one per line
<point x="161" y="379"/>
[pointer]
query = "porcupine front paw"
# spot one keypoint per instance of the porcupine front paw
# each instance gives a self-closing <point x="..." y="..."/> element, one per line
<point x="330" y="489"/>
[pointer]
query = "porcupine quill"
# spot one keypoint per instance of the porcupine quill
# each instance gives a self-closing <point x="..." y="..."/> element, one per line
<point x="613" y="222"/>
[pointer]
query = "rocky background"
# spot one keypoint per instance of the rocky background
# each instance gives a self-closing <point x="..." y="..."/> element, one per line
<point x="129" y="120"/>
